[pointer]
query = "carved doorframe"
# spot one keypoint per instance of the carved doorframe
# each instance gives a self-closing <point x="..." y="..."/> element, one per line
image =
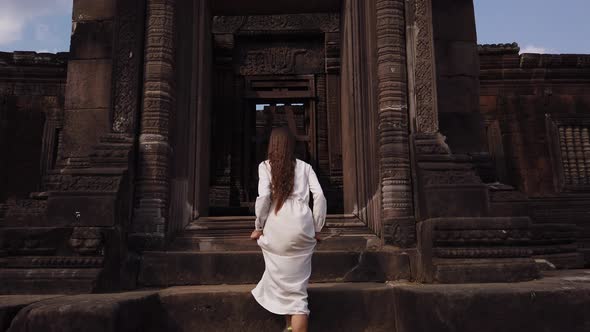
<point x="227" y="29"/>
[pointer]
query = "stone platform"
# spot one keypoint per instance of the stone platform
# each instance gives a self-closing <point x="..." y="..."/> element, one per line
<point x="558" y="302"/>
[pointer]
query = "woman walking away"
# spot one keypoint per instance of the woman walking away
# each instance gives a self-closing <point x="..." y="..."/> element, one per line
<point x="286" y="229"/>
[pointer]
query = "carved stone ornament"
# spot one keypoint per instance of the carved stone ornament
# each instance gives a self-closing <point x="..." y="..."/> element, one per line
<point x="277" y="60"/>
<point x="87" y="241"/>
<point x="425" y="71"/>
<point x="329" y="22"/>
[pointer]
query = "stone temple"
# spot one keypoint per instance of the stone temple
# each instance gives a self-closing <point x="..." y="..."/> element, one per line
<point x="457" y="174"/>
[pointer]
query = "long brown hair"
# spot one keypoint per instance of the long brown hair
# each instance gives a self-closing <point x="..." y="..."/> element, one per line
<point x="281" y="155"/>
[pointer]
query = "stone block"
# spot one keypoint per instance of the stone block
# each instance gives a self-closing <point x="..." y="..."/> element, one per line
<point x="84" y="210"/>
<point x="454" y="20"/>
<point x="464" y="130"/>
<point x="457" y="58"/>
<point x="10" y="305"/>
<point x="458" y="94"/>
<point x="475" y="250"/>
<point x="92" y="10"/>
<point x="554" y="303"/>
<point x="134" y="311"/>
<point x="89" y="84"/>
<point x="334" y="307"/>
<point x="82" y="130"/>
<point x="456" y="201"/>
<point x="92" y="40"/>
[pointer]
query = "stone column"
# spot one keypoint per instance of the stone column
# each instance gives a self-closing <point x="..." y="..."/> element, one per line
<point x="394" y="153"/>
<point x="152" y="185"/>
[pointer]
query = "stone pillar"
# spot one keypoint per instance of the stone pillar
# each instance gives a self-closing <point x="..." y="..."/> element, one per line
<point x="152" y="185"/>
<point x="88" y="88"/>
<point x="439" y="173"/>
<point x="394" y="154"/>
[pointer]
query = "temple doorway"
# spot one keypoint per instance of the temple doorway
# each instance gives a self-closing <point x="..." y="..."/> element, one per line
<point x="241" y="75"/>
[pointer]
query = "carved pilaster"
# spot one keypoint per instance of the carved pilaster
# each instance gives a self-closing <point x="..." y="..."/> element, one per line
<point x="127" y="69"/>
<point x="322" y="126"/>
<point x="422" y="66"/>
<point x="394" y="155"/>
<point x="150" y="213"/>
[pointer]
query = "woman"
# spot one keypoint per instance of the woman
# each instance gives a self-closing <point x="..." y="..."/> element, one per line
<point x="286" y="229"/>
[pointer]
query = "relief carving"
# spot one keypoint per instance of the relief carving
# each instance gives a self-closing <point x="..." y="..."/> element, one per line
<point x="450" y="177"/>
<point x="127" y="65"/>
<point x="424" y="67"/>
<point x="278" y="60"/>
<point x="329" y="22"/>
<point x="79" y="183"/>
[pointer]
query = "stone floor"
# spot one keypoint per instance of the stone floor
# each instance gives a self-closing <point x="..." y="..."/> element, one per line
<point x="559" y="302"/>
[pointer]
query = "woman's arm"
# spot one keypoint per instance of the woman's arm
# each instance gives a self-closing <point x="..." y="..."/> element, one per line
<point x="263" y="201"/>
<point x="319" y="201"/>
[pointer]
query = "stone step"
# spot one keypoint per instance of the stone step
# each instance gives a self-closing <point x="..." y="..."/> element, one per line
<point x="175" y="268"/>
<point x="558" y="302"/>
<point x="242" y="242"/>
<point x="212" y="234"/>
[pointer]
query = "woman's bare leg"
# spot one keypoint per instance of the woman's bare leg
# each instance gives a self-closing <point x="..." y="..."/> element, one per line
<point x="299" y="323"/>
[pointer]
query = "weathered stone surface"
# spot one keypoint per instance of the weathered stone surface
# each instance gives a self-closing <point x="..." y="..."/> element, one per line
<point x="559" y="302"/>
<point x="83" y="129"/>
<point x="92" y="40"/>
<point x="89" y="85"/>
<point x="468" y="250"/>
<point x="334" y="307"/>
<point x="10" y="305"/>
<point x="135" y="311"/>
<point x="90" y="10"/>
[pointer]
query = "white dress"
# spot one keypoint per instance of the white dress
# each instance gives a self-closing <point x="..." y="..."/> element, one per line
<point x="288" y="240"/>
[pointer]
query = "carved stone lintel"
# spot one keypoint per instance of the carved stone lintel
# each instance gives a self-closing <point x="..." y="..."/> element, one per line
<point x="329" y="22"/>
<point x="275" y="60"/>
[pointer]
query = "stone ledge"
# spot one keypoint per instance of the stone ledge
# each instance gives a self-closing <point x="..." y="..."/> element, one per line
<point x="133" y="311"/>
<point x="559" y="302"/>
<point x="10" y="305"/>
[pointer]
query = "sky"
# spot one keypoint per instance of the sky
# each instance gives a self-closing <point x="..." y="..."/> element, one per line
<point x="538" y="26"/>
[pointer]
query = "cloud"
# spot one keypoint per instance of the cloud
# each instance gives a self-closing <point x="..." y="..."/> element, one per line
<point x="536" y="49"/>
<point x="15" y="15"/>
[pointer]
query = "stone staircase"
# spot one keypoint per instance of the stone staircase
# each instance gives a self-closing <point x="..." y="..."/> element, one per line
<point x="219" y="251"/>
